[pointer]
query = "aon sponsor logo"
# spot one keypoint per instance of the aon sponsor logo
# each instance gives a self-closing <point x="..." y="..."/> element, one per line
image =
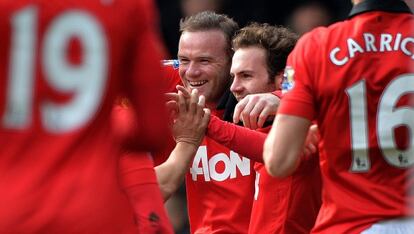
<point x="212" y="171"/>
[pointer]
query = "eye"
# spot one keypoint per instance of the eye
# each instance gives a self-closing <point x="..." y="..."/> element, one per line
<point x="184" y="61"/>
<point x="204" y="61"/>
<point x="246" y="76"/>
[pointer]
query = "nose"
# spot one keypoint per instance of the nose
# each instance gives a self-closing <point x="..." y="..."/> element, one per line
<point x="192" y="70"/>
<point x="236" y="86"/>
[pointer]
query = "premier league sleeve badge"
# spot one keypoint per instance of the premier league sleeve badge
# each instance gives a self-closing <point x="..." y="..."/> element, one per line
<point x="288" y="79"/>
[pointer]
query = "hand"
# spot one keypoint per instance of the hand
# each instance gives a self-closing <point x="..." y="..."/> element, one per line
<point x="312" y="140"/>
<point x="172" y="101"/>
<point x="192" y="118"/>
<point x="255" y="109"/>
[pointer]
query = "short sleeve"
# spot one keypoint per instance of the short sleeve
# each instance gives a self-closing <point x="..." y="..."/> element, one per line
<point x="299" y="101"/>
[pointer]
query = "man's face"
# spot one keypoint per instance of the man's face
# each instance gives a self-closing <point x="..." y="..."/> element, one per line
<point x="204" y="63"/>
<point x="249" y="73"/>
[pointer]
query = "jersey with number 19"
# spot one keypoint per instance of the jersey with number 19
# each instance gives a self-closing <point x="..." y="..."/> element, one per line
<point x="62" y="65"/>
<point x="356" y="78"/>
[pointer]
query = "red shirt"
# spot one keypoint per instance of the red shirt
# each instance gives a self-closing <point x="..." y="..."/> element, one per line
<point x="220" y="188"/>
<point x="219" y="184"/>
<point x="354" y="77"/>
<point x="62" y="65"/>
<point x="288" y="205"/>
<point x="173" y="77"/>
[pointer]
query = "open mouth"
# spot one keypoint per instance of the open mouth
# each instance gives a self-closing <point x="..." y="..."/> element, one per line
<point x="195" y="84"/>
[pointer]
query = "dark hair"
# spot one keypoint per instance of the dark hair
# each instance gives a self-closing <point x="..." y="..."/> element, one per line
<point x="277" y="41"/>
<point x="208" y="20"/>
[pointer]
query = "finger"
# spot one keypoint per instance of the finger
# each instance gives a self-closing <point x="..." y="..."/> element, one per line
<point x="185" y="91"/>
<point x="311" y="148"/>
<point x="246" y="114"/>
<point x="201" y="105"/>
<point x="263" y="117"/>
<point x="266" y="115"/>
<point x="171" y="96"/>
<point x="171" y="106"/>
<point x="315" y="139"/>
<point x="238" y="110"/>
<point x="202" y="101"/>
<point x="314" y="129"/>
<point x="313" y="134"/>
<point x="193" y="102"/>
<point x="306" y="152"/>
<point x="206" y="117"/>
<point x="254" y="114"/>
<point x="314" y="148"/>
<point x="172" y="110"/>
<point x="182" y="107"/>
<point x="172" y="117"/>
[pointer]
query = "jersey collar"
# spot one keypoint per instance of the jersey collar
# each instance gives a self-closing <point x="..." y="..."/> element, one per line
<point x="379" y="5"/>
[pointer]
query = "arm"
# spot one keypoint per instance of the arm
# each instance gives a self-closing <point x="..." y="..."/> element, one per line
<point x="188" y="130"/>
<point x="244" y="141"/>
<point x="171" y="173"/>
<point x="255" y="109"/>
<point x="284" y="144"/>
<point x="138" y="180"/>
<point x="249" y="143"/>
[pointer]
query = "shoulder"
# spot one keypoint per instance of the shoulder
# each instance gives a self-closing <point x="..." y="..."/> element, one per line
<point x="314" y="43"/>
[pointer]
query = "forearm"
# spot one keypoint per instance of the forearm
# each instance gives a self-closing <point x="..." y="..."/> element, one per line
<point x="244" y="141"/>
<point x="284" y="145"/>
<point x="138" y="180"/>
<point x="170" y="174"/>
<point x="147" y="201"/>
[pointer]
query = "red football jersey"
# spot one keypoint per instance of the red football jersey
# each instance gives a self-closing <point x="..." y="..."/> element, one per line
<point x="355" y="77"/>
<point x="62" y="65"/>
<point x="288" y="205"/>
<point x="172" y="77"/>
<point x="220" y="188"/>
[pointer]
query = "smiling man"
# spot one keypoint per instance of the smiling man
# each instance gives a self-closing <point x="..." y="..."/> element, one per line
<point x="261" y="51"/>
<point x="219" y="182"/>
